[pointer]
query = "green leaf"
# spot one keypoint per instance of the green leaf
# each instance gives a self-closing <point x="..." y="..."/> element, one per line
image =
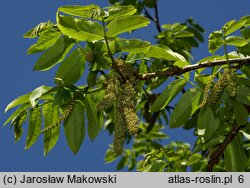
<point x="71" y="69"/>
<point x="132" y="162"/>
<point x="156" y="166"/>
<point x="183" y="34"/>
<point x="242" y="81"/>
<point x="155" y="136"/>
<point x="82" y="11"/>
<point x="37" y="93"/>
<point x="18" y="101"/>
<point x="192" y="22"/>
<point x="38" y="30"/>
<point x="51" y="116"/>
<point x="94" y="118"/>
<point x="110" y="155"/>
<point x="79" y="28"/>
<point x="196" y="34"/>
<point x="164" y="53"/>
<point x="210" y="143"/>
<point x="185" y="108"/>
<point x="113" y="1"/>
<point x="62" y="97"/>
<point x="241" y="114"/>
<point x="214" y="45"/>
<point x="131" y="58"/>
<point x="245" y="50"/>
<point x="74" y="127"/>
<point x="17" y="123"/>
<point x="245" y="33"/>
<point x="122" y="163"/>
<point x="149" y="3"/>
<point x="118" y="11"/>
<point x="35" y="124"/>
<point x="126" y="24"/>
<point x="45" y="41"/>
<point x="247" y="18"/>
<point x="246" y="70"/>
<point x="54" y="55"/>
<point x="215" y="35"/>
<point x="233" y="26"/>
<point x="215" y="41"/>
<point x="182" y="64"/>
<point x="202" y="79"/>
<point x="247" y="128"/>
<point x="207" y="122"/>
<point x="242" y="94"/>
<point x="130" y="46"/>
<point x="91" y="80"/>
<point x="194" y="158"/>
<point x="168" y="94"/>
<point x="17" y="113"/>
<point x="234" y="156"/>
<point x="143" y="68"/>
<point x="236" y="41"/>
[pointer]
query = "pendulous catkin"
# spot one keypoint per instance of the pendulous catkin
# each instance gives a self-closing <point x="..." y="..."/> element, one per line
<point x="122" y="96"/>
<point x="226" y="81"/>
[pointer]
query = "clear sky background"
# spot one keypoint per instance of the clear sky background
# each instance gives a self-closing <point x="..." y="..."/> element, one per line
<point x="17" y="77"/>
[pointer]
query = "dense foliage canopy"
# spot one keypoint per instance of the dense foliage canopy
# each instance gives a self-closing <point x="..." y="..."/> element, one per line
<point x="121" y="88"/>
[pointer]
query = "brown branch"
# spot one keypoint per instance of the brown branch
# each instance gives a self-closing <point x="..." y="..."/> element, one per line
<point x="214" y="158"/>
<point x="148" y="15"/>
<point x="157" y="23"/>
<point x="114" y="64"/>
<point x="178" y="71"/>
<point x="156" y="19"/>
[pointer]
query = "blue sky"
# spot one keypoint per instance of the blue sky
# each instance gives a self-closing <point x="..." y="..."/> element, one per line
<point x="17" y="77"/>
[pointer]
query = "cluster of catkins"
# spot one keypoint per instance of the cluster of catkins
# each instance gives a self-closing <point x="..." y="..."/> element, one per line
<point x="226" y="81"/>
<point x="122" y="97"/>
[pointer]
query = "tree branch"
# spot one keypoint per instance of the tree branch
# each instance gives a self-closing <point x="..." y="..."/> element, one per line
<point x="114" y="64"/>
<point x="148" y="15"/>
<point x="214" y="158"/>
<point x="178" y="71"/>
<point x="157" y="23"/>
<point x="156" y="19"/>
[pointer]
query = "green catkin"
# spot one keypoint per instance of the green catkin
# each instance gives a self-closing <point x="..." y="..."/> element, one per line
<point x="66" y="113"/>
<point x="123" y="98"/>
<point x="226" y="81"/>
<point x="110" y="94"/>
<point x="128" y="100"/>
<point x="119" y="131"/>
<point x="217" y="89"/>
<point x="231" y="85"/>
<point x="206" y="92"/>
